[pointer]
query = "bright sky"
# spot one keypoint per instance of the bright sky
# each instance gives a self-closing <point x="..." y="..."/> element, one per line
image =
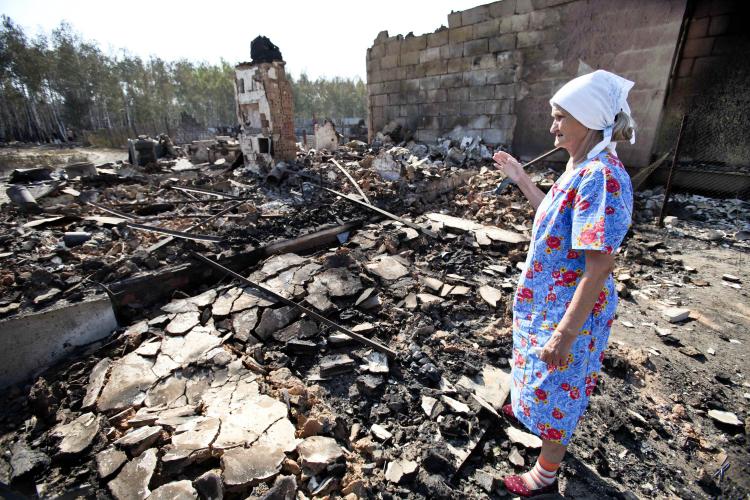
<point x="324" y="38"/>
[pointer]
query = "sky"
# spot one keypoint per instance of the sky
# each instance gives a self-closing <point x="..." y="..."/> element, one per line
<point x="324" y="39"/>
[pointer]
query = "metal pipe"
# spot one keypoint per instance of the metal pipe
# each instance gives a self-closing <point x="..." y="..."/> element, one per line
<point x="668" y="188"/>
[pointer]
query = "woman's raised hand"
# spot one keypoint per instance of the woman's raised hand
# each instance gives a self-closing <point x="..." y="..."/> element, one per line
<point x="508" y="165"/>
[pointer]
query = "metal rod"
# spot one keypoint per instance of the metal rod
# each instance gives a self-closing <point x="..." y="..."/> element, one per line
<point x="166" y="241"/>
<point x="351" y="179"/>
<point x="110" y="211"/>
<point x="368" y="342"/>
<point x="403" y="221"/>
<point x="176" y="234"/>
<point x="180" y="202"/>
<point x="508" y="181"/>
<point x="205" y="191"/>
<point x="668" y="188"/>
<point x="541" y="157"/>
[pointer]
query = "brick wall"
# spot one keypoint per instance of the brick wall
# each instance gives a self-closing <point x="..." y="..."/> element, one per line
<point x="492" y="71"/>
<point x="712" y="84"/>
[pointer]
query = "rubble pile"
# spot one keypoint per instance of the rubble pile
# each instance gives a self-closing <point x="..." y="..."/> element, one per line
<point x="225" y="390"/>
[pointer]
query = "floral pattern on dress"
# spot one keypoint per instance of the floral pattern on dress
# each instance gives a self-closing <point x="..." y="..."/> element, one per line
<point x="588" y="208"/>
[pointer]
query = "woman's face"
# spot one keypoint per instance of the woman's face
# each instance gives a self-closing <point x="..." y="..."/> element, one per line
<point x="568" y="132"/>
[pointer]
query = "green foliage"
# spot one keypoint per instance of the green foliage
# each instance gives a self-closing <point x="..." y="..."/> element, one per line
<point x="335" y="98"/>
<point x="49" y="85"/>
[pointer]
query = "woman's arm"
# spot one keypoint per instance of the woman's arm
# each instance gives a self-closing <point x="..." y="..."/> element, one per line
<point x="510" y="167"/>
<point x="599" y="265"/>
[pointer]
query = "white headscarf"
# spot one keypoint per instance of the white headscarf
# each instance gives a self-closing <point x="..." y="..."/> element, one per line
<point x="594" y="100"/>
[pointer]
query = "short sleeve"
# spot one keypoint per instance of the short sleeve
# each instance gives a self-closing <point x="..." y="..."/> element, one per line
<point x="602" y="210"/>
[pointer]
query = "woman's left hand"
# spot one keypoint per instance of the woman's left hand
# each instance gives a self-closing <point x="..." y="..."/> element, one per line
<point x="556" y="350"/>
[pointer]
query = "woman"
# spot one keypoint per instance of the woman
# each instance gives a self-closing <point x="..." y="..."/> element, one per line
<point x="566" y="299"/>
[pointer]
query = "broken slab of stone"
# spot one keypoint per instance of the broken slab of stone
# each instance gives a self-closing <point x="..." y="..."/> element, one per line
<point x="431" y="283"/>
<point x="180" y="306"/>
<point x="284" y="488"/>
<point x="275" y="319"/>
<point x="490" y="294"/>
<point x="400" y="470"/>
<point x="150" y="348"/>
<point x="676" y="314"/>
<point x="138" y="440"/>
<point x="24" y="459"/>
<point x="247" y="466"/>
<point x="338" y="282"/>
<point x="177" y="490"/>
<point x="515" y="458"/>
<point x="492" y="385"/>
<point x="376" y="362"/>
<point x="78" y="434"/>
<point x="167" y="392"/>
<point x="183" y="322"/>
<point x="429" y="406"/>
<point x="223" y="304"/>
<point x="335" y="364"/>
<point x="109" y="460"/>
<point x="132" y="481"/>
<point x="523" y="438"/>
<point x="464" y="225"/>
<point x="302" y="329"/>
<point x="276" y="264"/>
<point x="96" y="382"/>
<point x="191" y="348"/>
<point x="380" y="432"/>
<point x="317" y="452"/>
<point x="245" y="423"/>
<point x="387" y="267"/>
<point x="427" y="299"/>
<point x="250" y="298"/>
<point x="129" y="379"/>
<point x="243" y="323"/>
<point x="210" y="485"/>
<point x="455" y="405"/>
<point x="725" y="417"/>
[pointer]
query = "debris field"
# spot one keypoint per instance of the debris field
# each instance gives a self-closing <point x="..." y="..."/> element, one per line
<point x="213" y="387"/>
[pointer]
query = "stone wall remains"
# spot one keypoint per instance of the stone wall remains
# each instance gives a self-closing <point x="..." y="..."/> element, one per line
<point x="492" y="71"/>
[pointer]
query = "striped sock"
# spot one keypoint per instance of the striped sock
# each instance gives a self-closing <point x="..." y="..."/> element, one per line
<point x="542" y="474"/>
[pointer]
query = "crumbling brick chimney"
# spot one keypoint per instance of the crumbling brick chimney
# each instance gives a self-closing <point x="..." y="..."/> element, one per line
<point x="265" y="107"/>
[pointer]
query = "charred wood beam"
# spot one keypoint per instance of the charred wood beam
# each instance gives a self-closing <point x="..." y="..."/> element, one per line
<point x="110" y="211"/>
<point x="280" y="298"/>
<point x="181" y="202"/>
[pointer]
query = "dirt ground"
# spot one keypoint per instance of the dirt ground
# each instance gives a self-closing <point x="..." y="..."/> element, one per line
<point x="53" y="156"/>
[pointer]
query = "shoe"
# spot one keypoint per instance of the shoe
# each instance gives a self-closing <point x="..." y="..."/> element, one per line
<point x="517" y="486"/>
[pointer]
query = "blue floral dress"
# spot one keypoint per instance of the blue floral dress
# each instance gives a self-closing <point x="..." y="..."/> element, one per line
<point x="588" y="208"/>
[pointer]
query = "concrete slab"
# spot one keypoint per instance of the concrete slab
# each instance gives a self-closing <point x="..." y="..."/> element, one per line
<point x="31" y="343"/>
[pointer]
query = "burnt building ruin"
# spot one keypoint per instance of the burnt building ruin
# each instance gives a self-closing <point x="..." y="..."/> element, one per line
<point x="265" y="108"/>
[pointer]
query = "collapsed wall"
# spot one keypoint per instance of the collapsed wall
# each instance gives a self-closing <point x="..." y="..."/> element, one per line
<point x="265" y="109"/>
<point x="493" y="70"/>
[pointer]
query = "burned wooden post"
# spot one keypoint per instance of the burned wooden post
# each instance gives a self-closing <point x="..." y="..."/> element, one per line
<point x="668" y="187"/>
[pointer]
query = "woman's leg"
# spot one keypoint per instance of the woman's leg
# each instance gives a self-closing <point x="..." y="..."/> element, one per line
<point x="544" y="471"/>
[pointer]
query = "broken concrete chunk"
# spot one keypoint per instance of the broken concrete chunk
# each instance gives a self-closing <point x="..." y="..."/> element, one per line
<point x="428" y="405"/>
<point x="275" y="319"/>
<point x="166" y="391"/>
<point x="204" y="298"/>
<point x="491" y="295"/>
<point x="284" y="488"/>
<point x="302" y="329"/>
<point x="410" y="302"/>
<point x="523" y="438"/>
<point x="455" y="405"/>
<point x="428" y="299"/>
<point x="183" y="322"/>
<point x="317" y="452"/>
<point x="96" y="382"/>
<point x="243" y="323"/>
<point x="492" y="385"/>
<point x="177" y="490"/>
<point x="335" y="364"/>
<point x="377" y="362"/>
<point x="109" y="460"/>
<point x="132" y="481"/>
<point x="149" y="348"/>
<point x="180" y="306"/>
<point x="78" y="434"/>
<point x="515" y="458"/>
<point x="364" y="328"/>
<point x="191" y="348"/>
<point x="400" y="470"/>
<point x="431" y="283"/>
<point x="380" y="432"/>
<point x="24" y="459"/>
<point x="387" y="267"/>
<point x="676" y="314"/>
<point x="139" y="439"/>
<point x="223" y="304"/>
<point x="460" y="290"/>
<point x="725" y="417"/>
<point x="47" y="296"/>
<point x="246" y="466"/>
<point x="339" y="282"/>
<point x="129" y="378"/>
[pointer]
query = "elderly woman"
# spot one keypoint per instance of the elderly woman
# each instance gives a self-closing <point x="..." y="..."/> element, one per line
<point x="566" y="299"/>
